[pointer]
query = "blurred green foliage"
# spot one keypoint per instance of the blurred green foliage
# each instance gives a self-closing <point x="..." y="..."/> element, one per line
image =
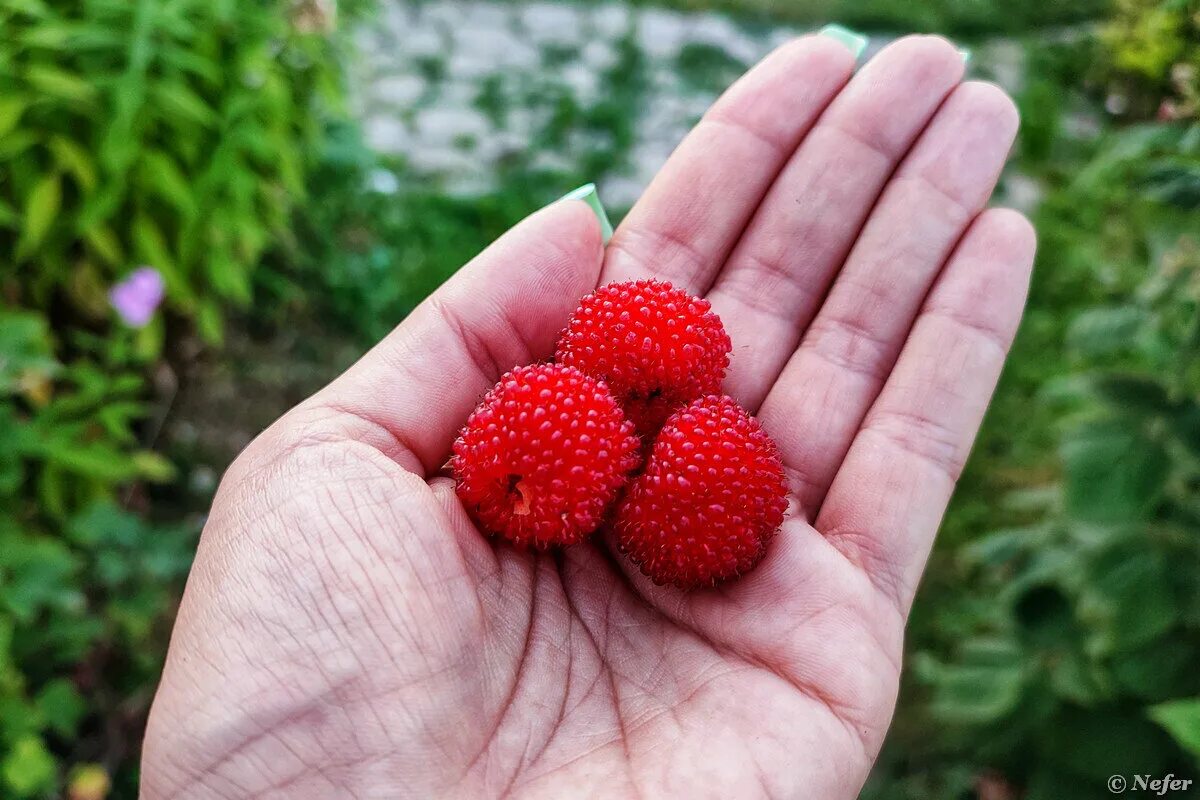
<point x="84" y="585"/>
<point x="176" y="134"/>
<point x="173" y="134"/>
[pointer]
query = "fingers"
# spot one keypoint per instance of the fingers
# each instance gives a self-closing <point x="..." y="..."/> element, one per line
<point x="415" y="388"/>
<point x="889" y="496"/>
<point x="693" y="212"/>
<point x="778" y="273"/>
<point x="820" y="399"/>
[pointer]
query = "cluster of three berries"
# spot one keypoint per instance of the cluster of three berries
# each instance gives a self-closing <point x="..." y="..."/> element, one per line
<point x="628" y="426"/>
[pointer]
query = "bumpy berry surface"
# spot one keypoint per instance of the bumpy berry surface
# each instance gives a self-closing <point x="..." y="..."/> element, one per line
<point x="543" y="456"/>
<point x="711" y="496"/>
<point x="657" y="347"/>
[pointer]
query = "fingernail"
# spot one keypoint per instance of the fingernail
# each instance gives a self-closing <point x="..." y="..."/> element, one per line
<point x="966" y="55"/>
<point x="588" y="194"/>
<point x="853" y="40"/>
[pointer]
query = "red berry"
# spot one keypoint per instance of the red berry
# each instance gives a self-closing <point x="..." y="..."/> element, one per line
<point x="543" y="456"/>
<point x="710" y="498"/>
<point x="657" y="347"/>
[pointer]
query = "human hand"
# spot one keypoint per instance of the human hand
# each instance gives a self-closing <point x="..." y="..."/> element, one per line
<point x="347" y="631"/>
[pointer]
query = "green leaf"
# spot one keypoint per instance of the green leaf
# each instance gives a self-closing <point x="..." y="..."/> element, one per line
<point x="1174" y="182"/>
<point x="51" y="36"/>
<point x="148" y="341"/>
<point x="1074" y="677"/>
<point x="229" y="277"/>
<point x="61" y="706"/>
<point x="12" y="468"/>
<point x="52" y="486"/>
<point x="29" y="769"/>
<point x="178" y="101"/>
<point x="98" y="37"/>
<point x="116" y="417"/>
<point x="41" y="574"/>
<point x="17" y="718"/>
<point x="93" y="460"/>
<point x="165" y="179"/>
<point x="1002" y="546"/>
<point x="47" y="35"/>
<point x="192" y="62"/>
<point x="981" y="688"/>
<point x="25" y="348"/>
<point x="60" y="83"/>
<point x="1181" y="718"/>
<point x="153" y="467"/>
<point x="105" y="243"/>
<point x="9" y="218"/>
<point x="41" y="208"/>
<point x="16" y="143"/>
<point x="32" y="8"/>
<point x="11" y="109"/>
<point x="1163" y="669"/>
<point x="1127" y="599"/>
<point x="74" y="160"/>
<point x="104" y="526"/>
<point x="210" y="323"/>
<point x="151" y="247"/>
<point x="1113" y="472"/>
<point x="1105" y="331"/>
<point x="68" y="637"/>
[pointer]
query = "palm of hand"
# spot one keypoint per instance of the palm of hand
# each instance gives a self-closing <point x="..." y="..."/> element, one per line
<point x="346" y="629"/>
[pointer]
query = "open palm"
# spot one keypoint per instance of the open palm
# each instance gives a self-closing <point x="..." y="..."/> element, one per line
<point x="347" y="631"/>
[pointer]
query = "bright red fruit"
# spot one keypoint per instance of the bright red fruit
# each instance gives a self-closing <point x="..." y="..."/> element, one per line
<point x="711" y="496"/>
<point x="657" y="347"/>
<point x="543" y="456"/>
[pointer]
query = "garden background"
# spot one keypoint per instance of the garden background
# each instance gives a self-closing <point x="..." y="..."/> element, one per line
<point x="300" y="173"/>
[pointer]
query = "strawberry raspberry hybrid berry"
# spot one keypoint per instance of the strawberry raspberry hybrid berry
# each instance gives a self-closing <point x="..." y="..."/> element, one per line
<point x="657" y="347"/>
<point x="544" y="455"/>
<point x="711" y="496"/>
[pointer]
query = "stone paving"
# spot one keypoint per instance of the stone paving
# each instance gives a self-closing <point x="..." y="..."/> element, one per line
<point x="458" y="89"/>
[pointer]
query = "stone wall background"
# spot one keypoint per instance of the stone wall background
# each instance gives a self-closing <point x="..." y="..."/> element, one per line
<point x="458" y="90"/>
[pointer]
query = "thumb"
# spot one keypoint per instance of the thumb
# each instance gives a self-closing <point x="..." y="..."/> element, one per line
<point x="506" y="307"/>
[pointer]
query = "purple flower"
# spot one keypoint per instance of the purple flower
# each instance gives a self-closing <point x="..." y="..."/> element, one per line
<point x="138" y="296"/>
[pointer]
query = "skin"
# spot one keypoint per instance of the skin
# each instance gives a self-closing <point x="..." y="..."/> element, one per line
<point x="347" y="632"/>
